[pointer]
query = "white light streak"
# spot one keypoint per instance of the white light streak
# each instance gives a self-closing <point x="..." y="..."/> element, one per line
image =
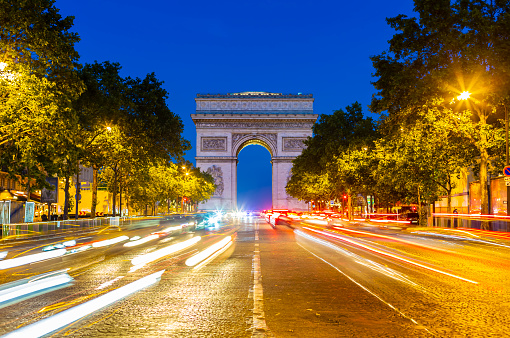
<point x="216" y="254"/>
<point x="18" y="261"/>
<point x="64" y="318"/>
<point x="174" y="228"/>
<point x="32" y="286"/>
<point x="110" y="241"/>
<point x="141" y="241"/>
<point x="69" y="243"/>
<point x="194" y="260"/>
<point x="110" y="282"/>
<point x="152" y="256"/>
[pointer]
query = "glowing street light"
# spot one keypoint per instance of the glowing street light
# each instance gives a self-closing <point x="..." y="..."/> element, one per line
<point x="464" y="96"/>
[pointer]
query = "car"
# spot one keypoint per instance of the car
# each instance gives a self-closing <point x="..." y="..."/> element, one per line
<point x="412" y="217"/>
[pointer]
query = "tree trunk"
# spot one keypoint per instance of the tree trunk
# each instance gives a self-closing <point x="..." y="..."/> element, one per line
<point x="449" y="205"/>
<point x="28" y="184"/>
<point x="349" y="205"/>
<point x="77" y="192"/>
<point x="94" y="192"/>
<point x="419" y="207"/>
<point x="484" y="193"/>
<point x="66" y="199"/>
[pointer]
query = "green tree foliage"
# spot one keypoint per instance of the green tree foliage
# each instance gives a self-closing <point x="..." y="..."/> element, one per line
<point x="99" y="108"/>
<point x="37" y="83"/>
<point x="151" y="121"/>
<point x="314" y="177"/>
<point x="451" y="47"/>
<point x="422" y="160"/>
<point x="150" y="185"/>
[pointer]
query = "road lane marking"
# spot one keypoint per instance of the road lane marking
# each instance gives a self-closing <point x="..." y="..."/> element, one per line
<point x="259" y="325"/>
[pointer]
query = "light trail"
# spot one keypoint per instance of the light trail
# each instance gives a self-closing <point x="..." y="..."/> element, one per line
<point x="387" y="254"/>
<point x="173" y="228"/>
<point x="110" y="241"/>
<point x="141" y="260"/>
<point x="64" y="318"/>
<point x="392" y="238"/>
<point x="18" y="261"/>
<point x="13" y="290"/>
<point x="199" y="257"/>
<point x="460" y="238"/>
<point x="360" y="260"/>
<point x="366" y="289"/>
<point x="141" y="241"/>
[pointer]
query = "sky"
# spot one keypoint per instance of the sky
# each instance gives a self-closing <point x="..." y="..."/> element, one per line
<point x="312" y="47"/>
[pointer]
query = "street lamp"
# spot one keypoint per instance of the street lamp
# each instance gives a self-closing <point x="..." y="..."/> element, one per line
<point x="464" y="96"/>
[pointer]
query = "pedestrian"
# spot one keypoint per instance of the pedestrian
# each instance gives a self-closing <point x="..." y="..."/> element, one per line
<point x="455" y="211"/>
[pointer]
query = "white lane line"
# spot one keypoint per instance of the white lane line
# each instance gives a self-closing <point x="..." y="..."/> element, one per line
<point x="367" y="290"/>
<point x="260" y="328"/>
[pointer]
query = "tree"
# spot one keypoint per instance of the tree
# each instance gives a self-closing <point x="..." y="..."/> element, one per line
<point x="99" y="107"/>
<point x="452" y="47"/>
<point x="313" y="175"/>
<point x="151" y="121"/>
<point x="38" y="82"/>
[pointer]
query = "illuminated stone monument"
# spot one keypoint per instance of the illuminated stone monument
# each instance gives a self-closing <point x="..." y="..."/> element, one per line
<point x="227" y="123"/>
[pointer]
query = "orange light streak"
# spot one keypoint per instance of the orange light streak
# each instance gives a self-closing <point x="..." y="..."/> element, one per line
<point x="392" y="238"/>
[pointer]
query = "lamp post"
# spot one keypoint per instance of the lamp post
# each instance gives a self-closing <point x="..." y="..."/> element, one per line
<point x="182" y="199"/>
<point x="506" y="162"/>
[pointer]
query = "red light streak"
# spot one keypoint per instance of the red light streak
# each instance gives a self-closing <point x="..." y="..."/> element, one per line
<point x="387" y="254"/>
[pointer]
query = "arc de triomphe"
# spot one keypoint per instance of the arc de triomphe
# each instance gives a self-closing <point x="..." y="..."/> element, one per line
<point x="227" y="123"/>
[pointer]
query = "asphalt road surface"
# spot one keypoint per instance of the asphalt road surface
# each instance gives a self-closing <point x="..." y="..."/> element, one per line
<point x="295" y="280"/>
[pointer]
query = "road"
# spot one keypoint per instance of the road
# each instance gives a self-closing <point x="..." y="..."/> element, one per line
<point x="298" y="280"/>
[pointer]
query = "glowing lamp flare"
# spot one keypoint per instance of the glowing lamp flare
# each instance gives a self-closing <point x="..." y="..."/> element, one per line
<point x="464" y="96"/>
<point x="192" y="261"/>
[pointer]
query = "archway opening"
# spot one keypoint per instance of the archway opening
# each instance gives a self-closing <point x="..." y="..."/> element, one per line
<point x="254" y="177"/>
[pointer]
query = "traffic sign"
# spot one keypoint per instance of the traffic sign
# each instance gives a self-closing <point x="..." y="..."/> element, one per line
<point x="507" y="178"/>
<point x="506" y="170"/>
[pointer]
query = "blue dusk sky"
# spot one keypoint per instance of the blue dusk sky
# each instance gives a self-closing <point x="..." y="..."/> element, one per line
<point x="312" y="47"/>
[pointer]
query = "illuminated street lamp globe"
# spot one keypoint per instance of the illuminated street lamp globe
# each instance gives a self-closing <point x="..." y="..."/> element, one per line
<point x="464" y="96"/>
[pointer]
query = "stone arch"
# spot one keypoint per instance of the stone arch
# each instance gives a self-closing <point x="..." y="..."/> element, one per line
<point x="268" y="141"/>
<point x="227" y="123"/>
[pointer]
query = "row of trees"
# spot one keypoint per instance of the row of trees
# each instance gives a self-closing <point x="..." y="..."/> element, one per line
<point x="56" y="114"/>
<point x="443" y="88"/>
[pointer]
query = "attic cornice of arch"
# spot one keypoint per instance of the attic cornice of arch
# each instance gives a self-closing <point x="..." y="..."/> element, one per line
<point x="256" y="120"/>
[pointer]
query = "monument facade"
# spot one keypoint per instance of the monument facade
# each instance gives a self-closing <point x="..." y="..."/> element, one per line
<point x="226" y="123"/>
